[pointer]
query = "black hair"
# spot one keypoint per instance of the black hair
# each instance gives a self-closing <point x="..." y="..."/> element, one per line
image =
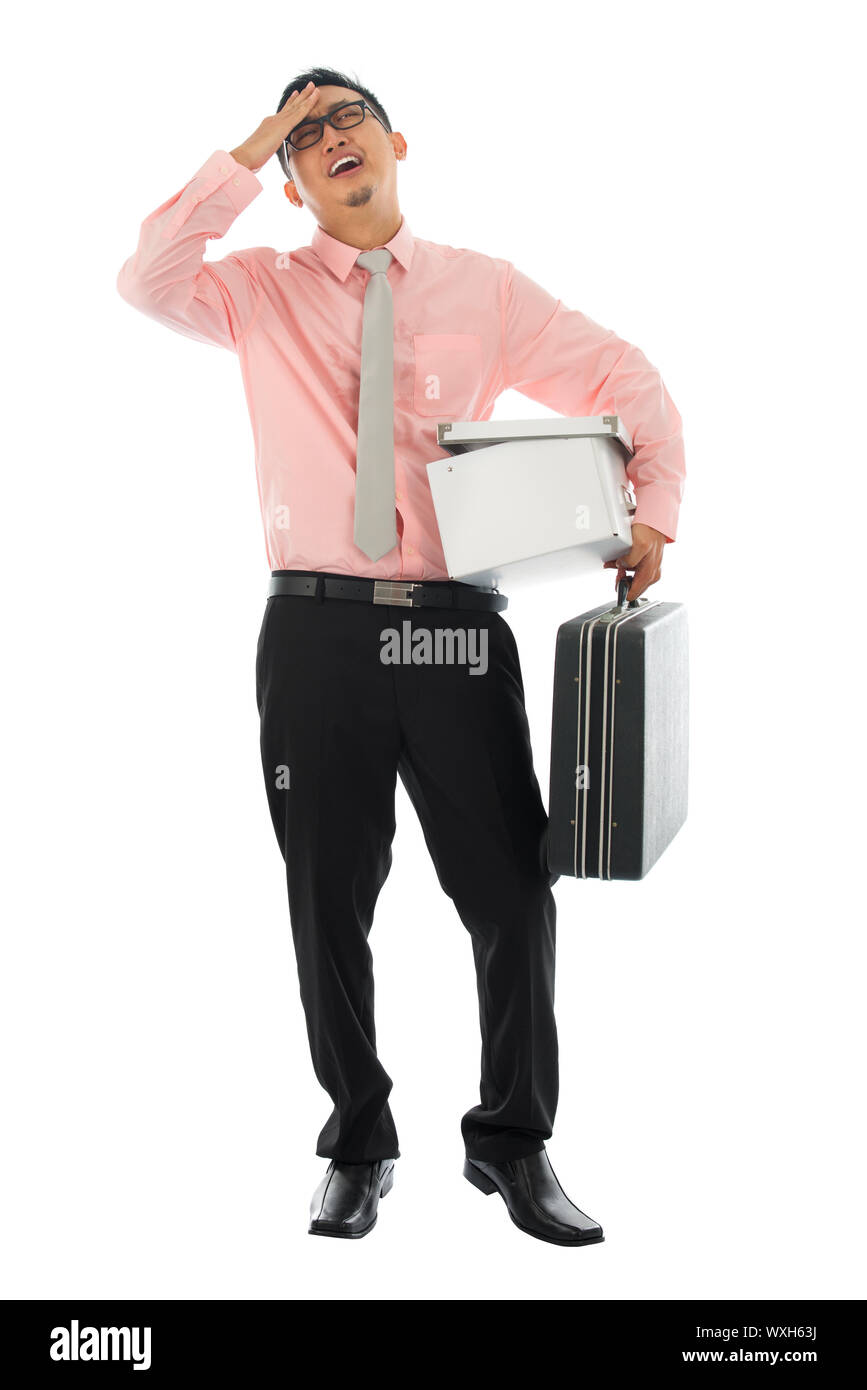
<point x="327" y="77"/>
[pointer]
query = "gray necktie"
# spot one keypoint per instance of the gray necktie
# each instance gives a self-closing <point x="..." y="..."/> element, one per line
<point x="375" y="527"/>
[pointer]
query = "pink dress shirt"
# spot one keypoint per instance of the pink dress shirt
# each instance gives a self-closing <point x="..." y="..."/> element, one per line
<point x="466" y="327"/>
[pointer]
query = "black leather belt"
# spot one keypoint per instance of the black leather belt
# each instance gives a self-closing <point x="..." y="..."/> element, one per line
<point x="407" y="593"/>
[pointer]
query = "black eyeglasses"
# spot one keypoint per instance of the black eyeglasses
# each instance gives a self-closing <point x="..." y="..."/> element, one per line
<point x="341" y="118"/>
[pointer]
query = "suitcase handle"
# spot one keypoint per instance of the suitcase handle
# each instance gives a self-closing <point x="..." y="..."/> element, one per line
<point x="622" y="591"/>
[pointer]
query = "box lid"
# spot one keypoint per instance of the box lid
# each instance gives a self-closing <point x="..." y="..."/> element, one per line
<point x="460" y="436"/>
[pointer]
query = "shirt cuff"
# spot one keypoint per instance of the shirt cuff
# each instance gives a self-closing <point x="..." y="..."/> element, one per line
<point x="240" y="184"/>
<point x="655" y="507"/>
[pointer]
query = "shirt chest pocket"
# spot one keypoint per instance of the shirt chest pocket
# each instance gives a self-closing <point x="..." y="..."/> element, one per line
<point x="448" y="371"/>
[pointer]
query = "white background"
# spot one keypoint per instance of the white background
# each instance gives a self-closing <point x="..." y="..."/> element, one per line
<point x="684" y="174"/>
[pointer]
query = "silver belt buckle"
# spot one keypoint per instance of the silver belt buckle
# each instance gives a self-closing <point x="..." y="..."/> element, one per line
<point x="386" y="591"/>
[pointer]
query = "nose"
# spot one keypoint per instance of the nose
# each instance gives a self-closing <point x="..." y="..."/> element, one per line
<point x="334" y="138"/>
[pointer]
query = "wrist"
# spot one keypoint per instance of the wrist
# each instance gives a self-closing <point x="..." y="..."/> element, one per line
<point x="241" y="156"/>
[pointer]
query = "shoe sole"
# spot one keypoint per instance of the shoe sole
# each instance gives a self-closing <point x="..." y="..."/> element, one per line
<point x="487" y="1186"/>
<point x="387" y="1184"/>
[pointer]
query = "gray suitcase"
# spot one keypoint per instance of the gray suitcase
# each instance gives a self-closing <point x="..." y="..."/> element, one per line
<point x="619" y="738"/>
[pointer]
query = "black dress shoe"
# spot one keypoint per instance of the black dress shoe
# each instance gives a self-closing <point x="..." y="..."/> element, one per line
<point x="537" y="1203"/>
<point x="345" y="1202"/>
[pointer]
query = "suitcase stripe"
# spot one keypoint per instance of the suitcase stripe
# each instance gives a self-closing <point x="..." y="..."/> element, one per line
<point x="583" y="706"/>
<point x="605" y="828"/>
<point x="582" y="742"/>
<point x="584" y="641"/>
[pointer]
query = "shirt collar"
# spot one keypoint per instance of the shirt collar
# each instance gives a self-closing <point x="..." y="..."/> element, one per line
<point x="340" y="257"/>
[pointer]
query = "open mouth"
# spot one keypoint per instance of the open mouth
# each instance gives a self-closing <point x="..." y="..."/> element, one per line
<point x="346" y="167"/>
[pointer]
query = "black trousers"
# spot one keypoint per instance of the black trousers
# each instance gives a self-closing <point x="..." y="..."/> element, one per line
<point x="337" y="726"/>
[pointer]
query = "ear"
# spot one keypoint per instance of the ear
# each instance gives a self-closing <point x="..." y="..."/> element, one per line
<point x="288" y="189"/>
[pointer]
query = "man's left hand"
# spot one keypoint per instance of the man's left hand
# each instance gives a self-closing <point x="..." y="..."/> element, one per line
<point x="645" y="558"/>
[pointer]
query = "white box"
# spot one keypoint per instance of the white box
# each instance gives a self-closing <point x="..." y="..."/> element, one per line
<point x="532" y="500"/>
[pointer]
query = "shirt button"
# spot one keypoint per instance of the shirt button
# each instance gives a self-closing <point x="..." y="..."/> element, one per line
<point x="399" y="496"/>
<point x="411" y="549"/>
<point x="223" y="169"/>
<point x="236" y="181"/>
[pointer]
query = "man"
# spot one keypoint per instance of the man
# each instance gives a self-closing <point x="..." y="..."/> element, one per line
<point x="351" y="349"/>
